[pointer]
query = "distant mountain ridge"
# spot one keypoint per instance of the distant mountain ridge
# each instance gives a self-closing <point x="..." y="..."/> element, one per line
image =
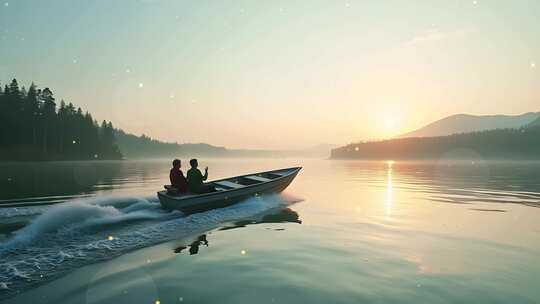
<point x="465" y="123"/>
<point x="133" y="147"/>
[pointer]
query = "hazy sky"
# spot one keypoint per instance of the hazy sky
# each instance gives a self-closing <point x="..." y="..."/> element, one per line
<point x="276" y="74"/>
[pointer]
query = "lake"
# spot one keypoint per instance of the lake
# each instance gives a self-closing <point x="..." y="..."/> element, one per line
<point x="342" y="232"/>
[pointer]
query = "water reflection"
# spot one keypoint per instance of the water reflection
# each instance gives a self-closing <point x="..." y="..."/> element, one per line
<point x="194" y="246"/>
<point x="389" y="190"/>
<point x="24" y="184"/>
<point x="284" y="215"/>
<point x="454" y="182"/>
<point x="441" y="252"/>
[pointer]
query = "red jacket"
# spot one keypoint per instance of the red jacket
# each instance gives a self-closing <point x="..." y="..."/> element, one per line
<point x="178" y="180"/>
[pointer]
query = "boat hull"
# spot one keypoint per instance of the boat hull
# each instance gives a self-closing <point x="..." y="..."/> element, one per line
<point x="199" y="203"/>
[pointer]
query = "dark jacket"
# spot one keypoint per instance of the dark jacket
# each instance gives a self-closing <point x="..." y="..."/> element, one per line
<point x="178" y="180"/>
<point x="196" y="180"/>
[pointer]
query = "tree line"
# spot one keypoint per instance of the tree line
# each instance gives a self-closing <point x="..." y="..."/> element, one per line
<point x="143" y="146"/>
<point x="516" y="144"/>
<point x="34" y="127"/>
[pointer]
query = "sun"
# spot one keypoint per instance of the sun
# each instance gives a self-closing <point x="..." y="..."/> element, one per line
<point x="390" y="123"/>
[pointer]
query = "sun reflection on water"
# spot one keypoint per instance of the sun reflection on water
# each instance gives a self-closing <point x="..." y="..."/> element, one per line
<point x="389" y="191"/>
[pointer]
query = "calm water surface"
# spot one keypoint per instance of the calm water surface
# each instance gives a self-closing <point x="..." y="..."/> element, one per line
<point x="343" y="232"/>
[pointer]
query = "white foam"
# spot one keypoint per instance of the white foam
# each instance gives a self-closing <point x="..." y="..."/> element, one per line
<point x="76" y="233"/>
<point x="17" y="273"/>
<point x="22" y="211"/>
<point x="85" y="213"/>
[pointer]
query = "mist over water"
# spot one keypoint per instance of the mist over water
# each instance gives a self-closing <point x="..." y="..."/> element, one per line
<point x="409" y="232"/>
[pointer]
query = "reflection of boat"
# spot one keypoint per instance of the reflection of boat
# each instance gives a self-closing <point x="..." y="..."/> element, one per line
<point x="229" y="191"/>
<point x="194" y="246"/>
<point x="285" y="215"/>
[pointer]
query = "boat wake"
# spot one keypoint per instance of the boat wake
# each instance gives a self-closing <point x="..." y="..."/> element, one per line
<point x="80" y="232"/>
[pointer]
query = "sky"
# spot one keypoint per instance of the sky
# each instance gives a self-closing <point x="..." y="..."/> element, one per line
<point x="276" y="74"/>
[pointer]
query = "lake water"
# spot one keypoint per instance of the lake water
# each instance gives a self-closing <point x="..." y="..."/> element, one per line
<point x="343" y="232"/>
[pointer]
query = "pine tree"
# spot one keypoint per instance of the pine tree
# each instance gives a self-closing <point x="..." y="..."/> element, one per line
<point x="30" y="113"/>
<point x="3" y="119"/>
<point x="49" y="118"/>
<point x="31" y="127"/>
<point x="2" y="116"/>
<point x="106" y="139"/>
<point x="13" y="109"/>
<point x="63" y="126"/>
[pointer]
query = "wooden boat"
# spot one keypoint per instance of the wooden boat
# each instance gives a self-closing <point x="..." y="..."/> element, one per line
<point x="228" y="191"/>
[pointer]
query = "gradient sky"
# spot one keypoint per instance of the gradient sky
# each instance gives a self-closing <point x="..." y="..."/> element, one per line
<point x="276" y="74"/>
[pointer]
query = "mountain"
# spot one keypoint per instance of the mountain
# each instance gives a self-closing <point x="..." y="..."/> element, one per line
<point x="464" y="123"/>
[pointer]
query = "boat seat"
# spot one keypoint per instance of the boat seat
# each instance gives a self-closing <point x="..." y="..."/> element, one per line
<point x="171" y="190"/>
<point x="280" y="173"/>
<point x="257" y="178"/>
<point x="229" y="184"/>
<point x="220" y="189"/>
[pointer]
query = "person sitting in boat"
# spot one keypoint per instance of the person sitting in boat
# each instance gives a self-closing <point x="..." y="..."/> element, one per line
<point x="178" y="181"/>
<point x="195" y="179"/>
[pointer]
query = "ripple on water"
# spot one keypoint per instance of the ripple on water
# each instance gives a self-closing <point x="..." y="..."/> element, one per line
<point x="85" y="231"/>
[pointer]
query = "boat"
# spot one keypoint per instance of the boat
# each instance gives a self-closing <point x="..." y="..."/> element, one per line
<point x="228" y="191"/>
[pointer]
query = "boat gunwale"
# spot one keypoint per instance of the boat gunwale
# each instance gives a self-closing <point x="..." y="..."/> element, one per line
<point x="294" y="170"/>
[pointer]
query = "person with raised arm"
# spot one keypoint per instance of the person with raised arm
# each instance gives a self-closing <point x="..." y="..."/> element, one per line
<point x="195" y="179"/>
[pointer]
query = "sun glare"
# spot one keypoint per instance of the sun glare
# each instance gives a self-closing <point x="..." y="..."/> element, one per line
<point x="389" y="123"/>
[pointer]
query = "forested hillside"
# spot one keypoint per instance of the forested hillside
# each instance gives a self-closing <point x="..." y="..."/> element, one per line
<point x="516" y="144"/>
<point x="146" y="147"/>
<point x="33" y="126"/>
